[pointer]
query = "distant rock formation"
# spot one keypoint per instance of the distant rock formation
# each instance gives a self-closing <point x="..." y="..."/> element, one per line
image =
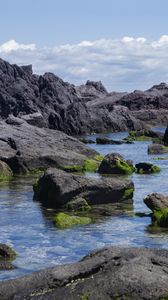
<point x="77" y="109"/>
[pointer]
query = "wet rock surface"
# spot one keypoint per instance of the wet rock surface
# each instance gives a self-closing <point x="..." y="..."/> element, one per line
<point x="56" y="188"/>
<point x="110" y="273"/>
<point x="27" y="148"/>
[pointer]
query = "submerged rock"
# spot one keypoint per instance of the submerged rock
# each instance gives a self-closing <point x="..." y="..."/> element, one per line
<point x="146" y="168"/>
<point x="109" y="273"/>
<point x="114" y="163"/>
<point x="56" y="188"/>
<point x="64" y="220"/>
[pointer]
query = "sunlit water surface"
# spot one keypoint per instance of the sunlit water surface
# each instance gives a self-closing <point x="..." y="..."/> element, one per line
<point x="26" y="226"/>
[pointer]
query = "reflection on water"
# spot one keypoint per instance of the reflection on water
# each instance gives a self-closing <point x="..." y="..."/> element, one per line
<point x="28" y="227"/>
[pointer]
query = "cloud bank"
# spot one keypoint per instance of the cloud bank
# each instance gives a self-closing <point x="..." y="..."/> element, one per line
<point x="121" y="64"/>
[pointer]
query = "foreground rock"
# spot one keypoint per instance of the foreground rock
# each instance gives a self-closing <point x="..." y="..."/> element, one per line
<point x="146" y="168"/>
<point x="7" y="254"/>
<point x="114" y="163"/>
<point x="27" y="148"/>
<point x="56" y="188"/>
<point x="110" y="273"/>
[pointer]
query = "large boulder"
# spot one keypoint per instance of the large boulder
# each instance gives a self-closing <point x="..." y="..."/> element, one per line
<point x="114" y="163"/>
<point x="156" y="201"/>
<point x="27" y="148"/>
<point x="109" y="273"/>
<point x="56" y="188"/>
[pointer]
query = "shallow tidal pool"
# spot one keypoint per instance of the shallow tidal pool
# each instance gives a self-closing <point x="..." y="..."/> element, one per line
<point x="28" y="228"/>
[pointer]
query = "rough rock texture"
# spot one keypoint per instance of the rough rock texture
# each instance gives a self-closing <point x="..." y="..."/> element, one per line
<point x="26" y="148"/>
<point x="50" y="102"/>
<point x="146" y="168"/>
<point x="114" y="163"/>
<point x="157" y="149"/>
<point x="150" y="105"/>
<point x="7" y="254"/>
<point x="56" y="187"/>
<point x="110" y="273"/>
<point x="156" y="201"/>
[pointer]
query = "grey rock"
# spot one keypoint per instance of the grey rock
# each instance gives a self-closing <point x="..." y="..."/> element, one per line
<point x="56" y="188"/>
<point x="156" y="201"/>
<point x="109" y="273"/>
<point x="25" y="148"/>
<point x="157" y="149"/>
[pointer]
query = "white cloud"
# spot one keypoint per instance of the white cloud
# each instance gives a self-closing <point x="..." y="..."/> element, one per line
<point x="122" y="64"/>
<point x="12" y="45"/>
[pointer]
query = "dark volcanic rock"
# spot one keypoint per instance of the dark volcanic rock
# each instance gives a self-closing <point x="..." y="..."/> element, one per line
<point x="61" y="105"/>
<point x="7" y="254"/>
<point x="156" y="201"/>
<point x="25" y="148"/>
<point x="106" y="141"/>
<point x="146" y="168"/>
<point x="110" y="273"/>
<point x="114" y="163"/>
<point x="56" y="188"/>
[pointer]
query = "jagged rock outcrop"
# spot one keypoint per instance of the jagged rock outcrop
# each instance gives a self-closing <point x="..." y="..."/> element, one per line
<point x="109" y="273"/>
<point x="59" y="105"/>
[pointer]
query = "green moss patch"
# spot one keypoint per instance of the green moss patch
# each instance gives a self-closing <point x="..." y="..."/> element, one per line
<point x="89" y="165"/>
<point x="128" y="194"/>
<point x="160" y="218"/>
<point x="124" y="168"/>
<point x="63" y="220"/>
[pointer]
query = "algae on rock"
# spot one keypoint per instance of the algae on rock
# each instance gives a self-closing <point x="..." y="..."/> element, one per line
<point x="64" y="220"/>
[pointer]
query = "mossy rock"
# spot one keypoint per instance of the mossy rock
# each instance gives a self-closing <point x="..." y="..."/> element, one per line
<point x="160" y="218"/>
<point x="78" y="204"/>
<point x="114" y="163"/>
<point x="63" y="220"/>
<point x="5" y="171"/>
<point x="89" y="165"/>
<point x="146" y="168"/>
<point x="128" y="194"/>
<point x="7" y="253"/>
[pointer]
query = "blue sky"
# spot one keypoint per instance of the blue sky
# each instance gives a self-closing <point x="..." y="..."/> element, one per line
<point x="52" y="36"/>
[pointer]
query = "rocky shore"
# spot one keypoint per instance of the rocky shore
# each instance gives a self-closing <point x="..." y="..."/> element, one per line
<point x="38" y="117"/>
<point x="110" y="273"/>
